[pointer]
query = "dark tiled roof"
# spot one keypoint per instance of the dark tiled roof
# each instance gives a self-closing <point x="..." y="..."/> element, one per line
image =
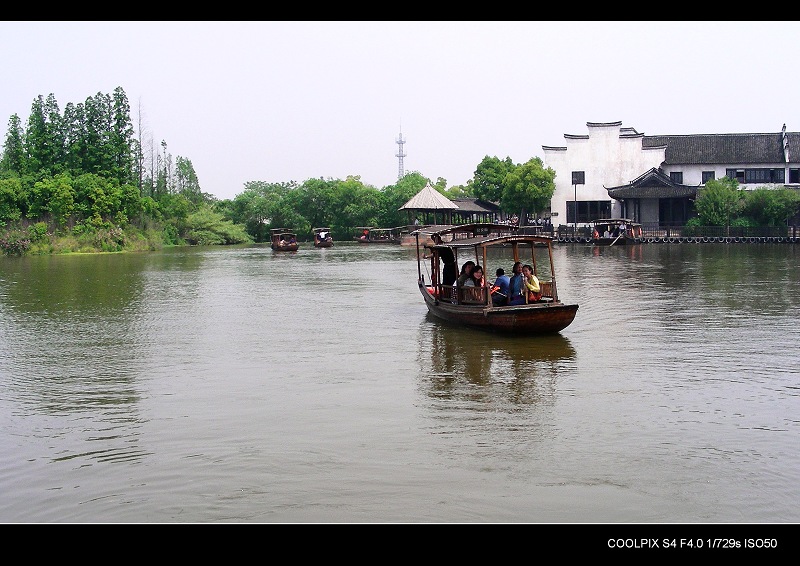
<point x="652" y="184"/>
<point x="475" y="205"/>
<point x="726" y="149"/>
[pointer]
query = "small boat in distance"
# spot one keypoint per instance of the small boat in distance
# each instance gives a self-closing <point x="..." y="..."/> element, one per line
<point x="473" y="306"/>
<point x="615" y="231"/>
<point x="284" y="240"/>
<point x="322" y="238"/>
<point x="370" y="235"/>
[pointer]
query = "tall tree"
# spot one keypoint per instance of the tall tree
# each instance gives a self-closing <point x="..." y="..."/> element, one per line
<point x="489" y="180"/>
<point x="121" y="139"/>
<point x="719" y="202"/>
<point x="14" y="157"/>
<point x="75" y="138"/>
<point x="529" y="186"/>
<point x="36" y="141"/>
<point x="186" y="182"/>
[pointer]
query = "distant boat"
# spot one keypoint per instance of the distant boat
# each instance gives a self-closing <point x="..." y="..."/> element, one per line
<point x="473" y="306"/>
<point x="322" y="238"/>
<point x="615" y="231"/>
<point x="284" y="240"/>
<point x="370" y="235"/>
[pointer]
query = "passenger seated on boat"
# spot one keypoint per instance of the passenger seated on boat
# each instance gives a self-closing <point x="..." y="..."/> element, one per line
<point x="500" y="288"/>
<point x="477" y="279"/>
<point x="534" y="290"/>
<point x="466" y="274"/>
<point x="282" y="242"/>
<point x="606" y="234"/>
<point x="517" y="290"/>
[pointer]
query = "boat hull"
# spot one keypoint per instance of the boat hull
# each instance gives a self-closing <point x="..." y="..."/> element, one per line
<point x="286" y="248"/>
<point x="323" y="244"/>
<point x="615" y="242"/>
<point x="537" y="318"/>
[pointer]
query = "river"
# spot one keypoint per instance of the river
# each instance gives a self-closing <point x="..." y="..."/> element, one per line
<point x="241" y="385"/>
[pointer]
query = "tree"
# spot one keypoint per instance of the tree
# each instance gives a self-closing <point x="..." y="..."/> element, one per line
<point x="14" y="158"/>
<point x="186" y="182"/>
<point x="36" y="141"/>
<point x="719" y="202"/>
<point x="316" y="198"/>
<point x="771" y="207"/>
<point x="121" y="140"/>
<point x="489" y="180"/>
<point x="529" y="186"/>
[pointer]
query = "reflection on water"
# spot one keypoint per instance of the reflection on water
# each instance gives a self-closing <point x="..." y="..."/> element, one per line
<point x="473" y="364"/>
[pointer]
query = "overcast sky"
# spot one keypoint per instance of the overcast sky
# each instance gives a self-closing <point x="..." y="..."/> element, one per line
<point x="289" y="101"/>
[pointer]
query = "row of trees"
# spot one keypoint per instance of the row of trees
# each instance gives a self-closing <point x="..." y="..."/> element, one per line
<point x="722" y="203"/>
<point x="86" y="179"/>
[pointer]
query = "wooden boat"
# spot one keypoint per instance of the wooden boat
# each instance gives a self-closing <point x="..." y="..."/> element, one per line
<point x="284" y="240"/>
<point x="370" y="235"/>
<point x="615" y="232"/>
<point x="472" y="306"/>
<point x="322" y="238"/>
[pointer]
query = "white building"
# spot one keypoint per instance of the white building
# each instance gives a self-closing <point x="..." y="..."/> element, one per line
<point x="616" y="172"/>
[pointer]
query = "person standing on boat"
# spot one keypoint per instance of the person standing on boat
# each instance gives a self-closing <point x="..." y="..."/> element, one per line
<point x="500" y="288"/>
<point x="534" y="290"/>
<point x="450" y="271"/>
<point x="517" y="289"/>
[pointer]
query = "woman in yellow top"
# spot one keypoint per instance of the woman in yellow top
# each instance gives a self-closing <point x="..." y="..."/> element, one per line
<point x="531" y="284"/>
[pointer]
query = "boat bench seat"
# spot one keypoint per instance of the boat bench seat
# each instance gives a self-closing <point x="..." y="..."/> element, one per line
<point x="473" y="295"/>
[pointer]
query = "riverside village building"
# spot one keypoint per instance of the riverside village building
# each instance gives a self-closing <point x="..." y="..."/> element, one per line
<point x="617" y="172"/>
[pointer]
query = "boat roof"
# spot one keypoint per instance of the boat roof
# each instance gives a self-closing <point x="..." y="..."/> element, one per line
<point x="381" y="229"/>
<point x="321" y="229"/>
<point x="614" y="221"/>
<point x="481" y="234"/>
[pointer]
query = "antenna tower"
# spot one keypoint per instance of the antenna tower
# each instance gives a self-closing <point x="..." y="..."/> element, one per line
<point x="400" y="155"/>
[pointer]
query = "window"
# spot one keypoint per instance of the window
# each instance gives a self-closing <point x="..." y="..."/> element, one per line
<point x="588" y="210"/>
<point x="763" y="175"/>
<point x="676" y="176"/>
<point x="708" y="176"/>
<point x="756" y="176"/>
<point x="794" y="175"/>
<point x="737" y="174"/>
<point x="579" y="177"/>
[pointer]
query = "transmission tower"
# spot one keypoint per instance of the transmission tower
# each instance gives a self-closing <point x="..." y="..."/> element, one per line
<point x="400" y="155"/>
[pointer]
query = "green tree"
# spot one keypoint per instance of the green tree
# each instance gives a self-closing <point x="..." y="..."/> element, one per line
<point x="57" y="196"/>
<point x="121" y="140"/>
<point x="719" y="202"/>
<point x="206" y="227"/>
<point x="14" y="157"/>
<point x="771" y="207"/>
<point x="10" y="206"/>
<point x="75" y="138"/>
<point x="186" y="182"/>
<point x="316" y="198"/>
<point x="489" y="181"/>
<point x="36" y="138"/>
<point x="357" y="205"/>
<point x="529" y="186"/>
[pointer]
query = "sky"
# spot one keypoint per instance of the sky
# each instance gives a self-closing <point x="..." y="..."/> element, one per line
<point x="281" y="101"/>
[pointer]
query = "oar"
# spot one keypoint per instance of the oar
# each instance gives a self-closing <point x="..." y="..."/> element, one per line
<point x="615" y="240"/>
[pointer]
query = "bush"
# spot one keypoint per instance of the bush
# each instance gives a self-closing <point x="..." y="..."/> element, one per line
<point x="15" y="243"/>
